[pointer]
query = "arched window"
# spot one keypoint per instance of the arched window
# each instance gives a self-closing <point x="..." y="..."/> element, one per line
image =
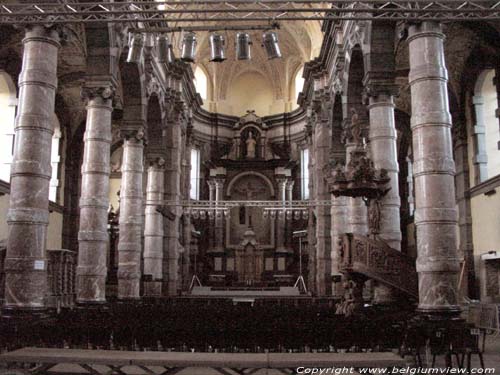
<point x="54" y="161"/>
<point x="194" y="192"/>
<point x="304" y="173"/>
<point x="8" y="103"/>
<point x="486" y="129"/>
<point x="201" y="82"/>
<point x="299" y="82"/>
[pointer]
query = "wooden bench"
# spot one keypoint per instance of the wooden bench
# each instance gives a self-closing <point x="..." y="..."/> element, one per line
<point x="101" y="362"/>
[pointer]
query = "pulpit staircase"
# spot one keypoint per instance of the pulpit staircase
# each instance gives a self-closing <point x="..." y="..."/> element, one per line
<point x="374" y="259"/>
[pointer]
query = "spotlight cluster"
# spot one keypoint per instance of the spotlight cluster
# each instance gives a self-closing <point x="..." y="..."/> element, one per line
<point x="217" y="44"/>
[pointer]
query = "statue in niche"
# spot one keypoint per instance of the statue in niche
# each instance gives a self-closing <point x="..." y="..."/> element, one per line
<point x="355" y="127"/>
<point x="251" y="146"/>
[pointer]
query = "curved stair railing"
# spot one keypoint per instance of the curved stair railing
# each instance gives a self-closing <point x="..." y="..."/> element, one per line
<point x="374" y="259"/>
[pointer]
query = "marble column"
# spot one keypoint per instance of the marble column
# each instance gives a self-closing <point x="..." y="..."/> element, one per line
<point x="211" y="228"/>
<point x="28" y="216"/>
<point x="322" y="143"/>
<point x="383" y="149"/>
<point x="153" y="231"/>
<point x="94" y="200"/>
<point x="434" y="168"/>
<point x="338" y="229"/>
<point x="172" y="246"/>
<point x="219" y="217"/>
<point x="281" y="216"/>
<point x="131" y="195"/>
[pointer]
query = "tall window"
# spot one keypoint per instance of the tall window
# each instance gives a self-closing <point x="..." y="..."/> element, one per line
<point x="299" y="82"/>
<point x="201" y="82"/>
<point x="486" y="128"/>
<point x="194" y="192"/>
<point x="7" y="114"/>
<point x="304" y="173"/>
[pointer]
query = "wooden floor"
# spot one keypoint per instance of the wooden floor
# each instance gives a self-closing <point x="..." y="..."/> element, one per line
<point x="125" y="362"/>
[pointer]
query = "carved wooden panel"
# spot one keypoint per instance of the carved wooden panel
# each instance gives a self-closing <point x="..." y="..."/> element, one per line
<point x="375" y="260"/>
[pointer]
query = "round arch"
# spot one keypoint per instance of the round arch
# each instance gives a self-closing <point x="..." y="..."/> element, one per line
<point x="250" y="173"/>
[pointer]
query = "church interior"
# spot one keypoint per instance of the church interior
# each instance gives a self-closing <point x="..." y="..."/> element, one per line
<point x="248" y="186"/>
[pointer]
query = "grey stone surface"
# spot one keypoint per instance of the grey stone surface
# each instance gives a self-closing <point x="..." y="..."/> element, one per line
<point x="94" y="201"/>
<point x="154" y="232"/>
<point x="131" y="212"/>
<point x="28" y="216"/>
<point x="434" y="168"/>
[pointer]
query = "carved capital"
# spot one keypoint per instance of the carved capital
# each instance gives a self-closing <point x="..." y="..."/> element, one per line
<point x="105" y="92"/>
<point x="374" y="89"/>
<point x="158" y="163"/>
<point x="133" y="134"/>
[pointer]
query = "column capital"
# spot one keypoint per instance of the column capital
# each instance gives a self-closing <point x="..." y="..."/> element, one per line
<point x="93" y="91"/>
<point x="219" y="182"/>
<point x="54" y="34"/>
<point x="374" y="88"/>
<point x="137" y="135"/>
<point x="157" y="163"/>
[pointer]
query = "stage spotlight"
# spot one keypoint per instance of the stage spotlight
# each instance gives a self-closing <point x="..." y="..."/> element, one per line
<point x="270" y="43"/>
<point x="170" y="54"/>
<point x="162" y="46"/>
<point x="217" y="43"/>
<point x="243" y="43"/>
<point x="189" y="43"/>
<point x="136" y="44"/>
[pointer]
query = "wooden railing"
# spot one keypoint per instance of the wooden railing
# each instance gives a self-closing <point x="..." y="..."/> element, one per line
<point x="376" y="260"/>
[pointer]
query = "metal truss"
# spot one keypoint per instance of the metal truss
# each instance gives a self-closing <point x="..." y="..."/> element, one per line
<point x="247" y="11"/>
<point x="222" y="205"/>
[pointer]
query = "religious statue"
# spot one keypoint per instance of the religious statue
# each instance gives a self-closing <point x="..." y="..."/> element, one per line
<point x="355" y="127"/>
<point x="251" y="146"/>
<point x="374" y="216"/>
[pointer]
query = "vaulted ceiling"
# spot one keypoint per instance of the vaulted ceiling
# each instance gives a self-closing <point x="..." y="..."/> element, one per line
<point x="273" y="80"/>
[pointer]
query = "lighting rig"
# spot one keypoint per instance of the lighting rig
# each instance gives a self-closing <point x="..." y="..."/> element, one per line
<point x="216" y="41"/>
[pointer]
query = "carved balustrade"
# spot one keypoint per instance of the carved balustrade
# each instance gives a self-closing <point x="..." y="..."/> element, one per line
<point x="375" y="260"/>
<point x="61" y="278"/>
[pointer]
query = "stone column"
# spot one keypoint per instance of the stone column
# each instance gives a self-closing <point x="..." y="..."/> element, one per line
<point x="153" y="231"/>
<point x="435" y="216"/>
<point x="338" y="229"/>
<point x="28" y="215"/>
<point x="383" y="149"/>
<point x="94" y="201"/>
<point x="289" y="190"/>
<point x="130" y="243"/>
<point x="172" y="246"/>
<point x="384" y="156"/>
<point x="357" y="215"/>
<point x="211" y="188"/>
<point x="322" y="143"/>
<point x="211" y="228"/>
<point x="281" y="216"/>
<point x="219" y="217"/>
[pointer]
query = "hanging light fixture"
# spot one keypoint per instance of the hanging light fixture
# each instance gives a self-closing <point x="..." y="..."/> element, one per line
<point x="243" y="43"/>
<point x="162" y="45"/>
<point x="189" y="43"/>
<point x="217" y="43"/>
<point x="136" y="44"/>
<point x="270" y="43"/>
<point x="170" y="53"/>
